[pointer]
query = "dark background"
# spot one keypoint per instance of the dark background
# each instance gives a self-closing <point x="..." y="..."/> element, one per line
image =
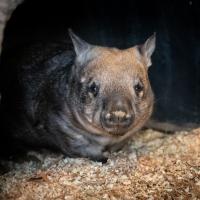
<point x="175" y="74"/>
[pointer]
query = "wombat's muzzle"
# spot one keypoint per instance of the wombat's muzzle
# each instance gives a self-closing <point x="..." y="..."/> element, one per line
<point x="117" y="115"/>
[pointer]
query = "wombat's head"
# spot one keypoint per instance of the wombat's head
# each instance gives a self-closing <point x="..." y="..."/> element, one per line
<point x="111" y="93"/>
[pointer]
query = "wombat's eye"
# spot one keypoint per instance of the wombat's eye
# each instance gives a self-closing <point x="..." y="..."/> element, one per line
<point x="94" y="89"/>
<point x="138" y="88"/>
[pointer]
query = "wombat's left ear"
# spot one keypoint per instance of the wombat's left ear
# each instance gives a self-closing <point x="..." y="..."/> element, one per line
<point x="148" y="48"/>
<point x="80" y="46"/>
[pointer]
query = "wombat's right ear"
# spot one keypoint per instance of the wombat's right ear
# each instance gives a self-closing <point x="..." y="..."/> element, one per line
<point x="80" y="46"/>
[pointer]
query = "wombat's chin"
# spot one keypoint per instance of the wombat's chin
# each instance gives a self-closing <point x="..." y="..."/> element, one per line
<point x="115" y="131"/>
<point x="97" y="129"/>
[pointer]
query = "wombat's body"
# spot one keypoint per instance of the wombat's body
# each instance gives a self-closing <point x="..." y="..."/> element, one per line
<point x="81" y="103"/>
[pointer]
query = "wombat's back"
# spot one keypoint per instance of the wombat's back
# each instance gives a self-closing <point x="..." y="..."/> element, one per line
<point x="25" y="80"/>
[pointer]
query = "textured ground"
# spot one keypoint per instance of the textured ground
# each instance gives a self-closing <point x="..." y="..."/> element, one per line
<point x="153" y="166"/>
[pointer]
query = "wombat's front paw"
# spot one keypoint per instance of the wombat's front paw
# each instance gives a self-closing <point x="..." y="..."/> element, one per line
<point x="101" y="159"/>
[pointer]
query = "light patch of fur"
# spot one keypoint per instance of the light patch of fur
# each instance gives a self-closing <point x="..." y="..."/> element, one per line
<point x="119" y="113"/>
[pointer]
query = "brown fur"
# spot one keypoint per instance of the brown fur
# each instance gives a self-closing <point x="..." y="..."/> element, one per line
<point x="117" y="70"/>
<point x="115" y="65"/>
<point x="87" y="105"/>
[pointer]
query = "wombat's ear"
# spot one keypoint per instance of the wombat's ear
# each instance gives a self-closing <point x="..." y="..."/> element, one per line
<point x="148" y="48"/>
<point x="80" y="46"/>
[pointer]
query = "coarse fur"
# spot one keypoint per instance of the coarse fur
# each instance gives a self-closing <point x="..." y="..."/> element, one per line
<point x="84" y="102"/>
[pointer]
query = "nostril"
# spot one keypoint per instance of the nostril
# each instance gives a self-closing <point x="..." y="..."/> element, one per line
<point x="108" y="116"/>
<point x="129" y="119"/>
<point x="128" y="116"/>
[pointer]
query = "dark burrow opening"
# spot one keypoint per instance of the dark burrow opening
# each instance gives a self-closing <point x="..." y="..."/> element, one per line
<point x="175" y="73"/>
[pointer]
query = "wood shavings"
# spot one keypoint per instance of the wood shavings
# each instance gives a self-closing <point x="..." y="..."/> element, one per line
<point x="153" y="165"/>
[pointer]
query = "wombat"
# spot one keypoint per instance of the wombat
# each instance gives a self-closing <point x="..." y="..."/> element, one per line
<point x="82" y="103"/>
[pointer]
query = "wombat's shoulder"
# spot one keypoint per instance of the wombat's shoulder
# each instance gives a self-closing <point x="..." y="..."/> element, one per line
<point x="35" y="61"/>
<point x="42" y="56"/>
<point x="33" y="71"/>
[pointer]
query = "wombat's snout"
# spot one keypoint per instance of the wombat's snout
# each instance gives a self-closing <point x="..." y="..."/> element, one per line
<point x="117" y="115"/>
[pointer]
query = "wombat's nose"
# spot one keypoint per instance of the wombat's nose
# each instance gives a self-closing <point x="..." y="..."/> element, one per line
<point x="118" y="118"/>
<point x="118" y="113"/>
